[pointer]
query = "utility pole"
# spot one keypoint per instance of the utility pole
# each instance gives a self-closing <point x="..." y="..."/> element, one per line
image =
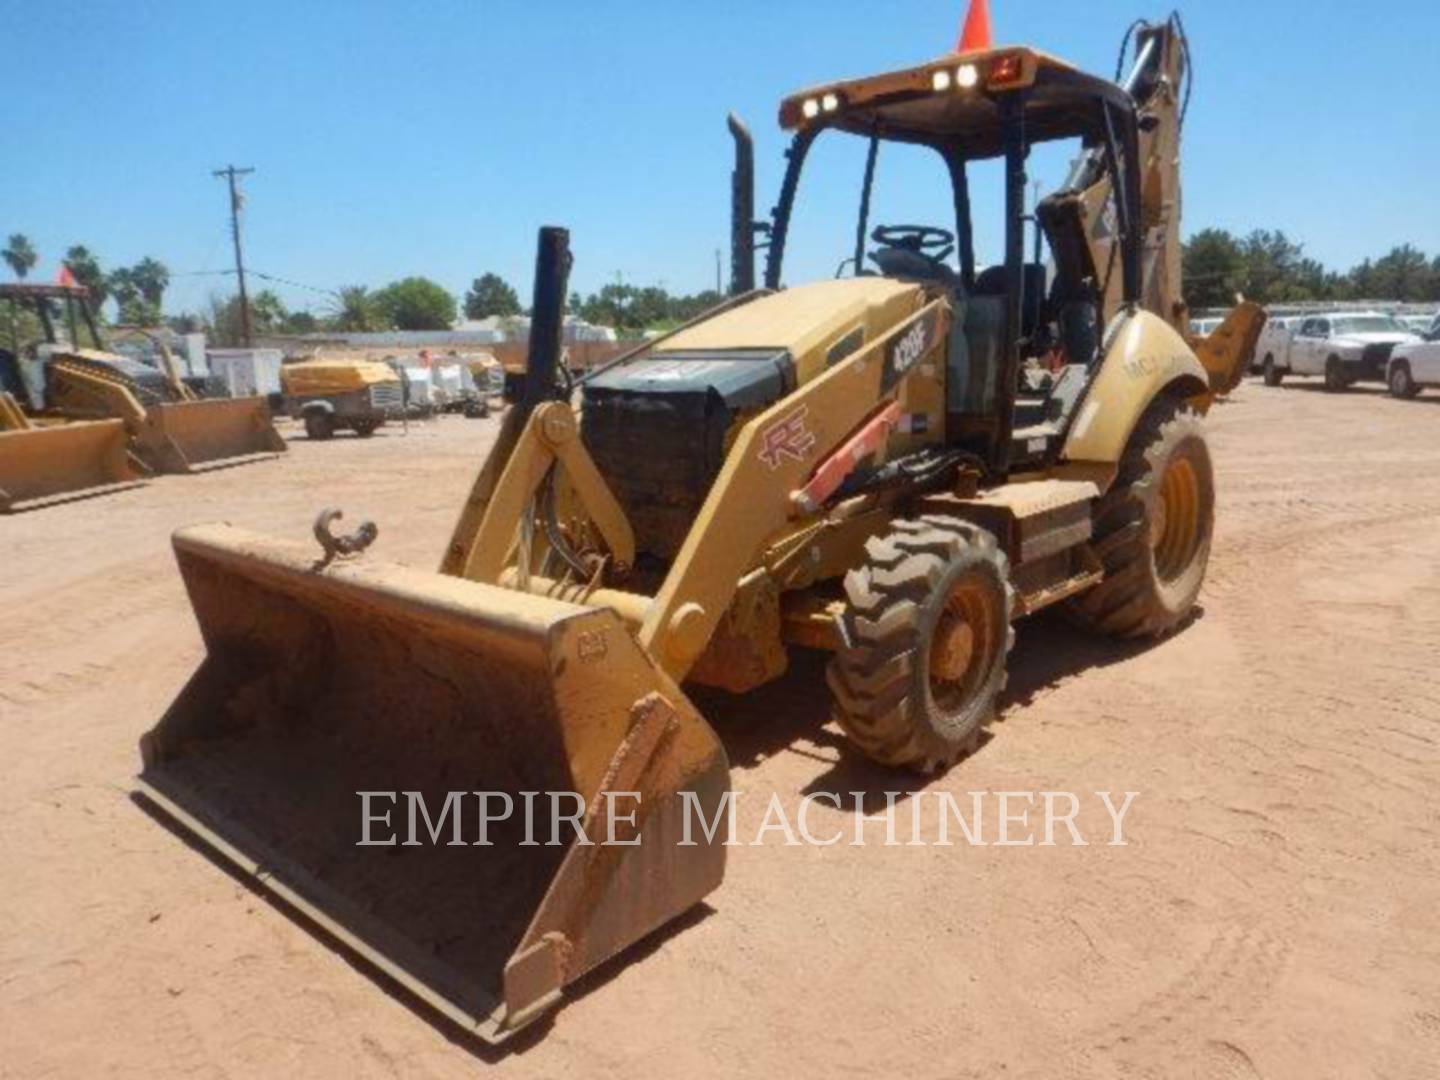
<point x="230" y="172"/>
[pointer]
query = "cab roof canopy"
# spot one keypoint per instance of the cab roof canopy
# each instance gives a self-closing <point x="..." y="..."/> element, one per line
<point x="934" y="104"/>
<point x="22" y="290"/>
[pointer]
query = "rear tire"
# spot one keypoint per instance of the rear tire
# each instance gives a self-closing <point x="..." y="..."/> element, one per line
<point x="1335" y="380"/>
<point x="928" y="628"/>
<point x="366" y="428"/>
<point x="1153" y="529"/>
<point x="1402" y="384"/>
<point x="320" y="426"/>
<point x="1273" y="375"/>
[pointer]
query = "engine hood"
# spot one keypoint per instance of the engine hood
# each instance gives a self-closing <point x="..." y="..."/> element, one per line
<point x="1359" y="341"/>
<point x="743" y="379"/>
<point x="815" y="324"/>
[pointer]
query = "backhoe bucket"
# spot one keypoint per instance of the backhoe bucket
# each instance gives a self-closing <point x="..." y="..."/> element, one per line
<point x="325" y="682"/>
<point x="192" y="436"/>
<point x="1227" y="353"/>
<point x="40" y="466"/>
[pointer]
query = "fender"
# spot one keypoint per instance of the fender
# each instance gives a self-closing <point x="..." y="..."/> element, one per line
<point x="1145" y="358"/>
<point x="321" y="406"/>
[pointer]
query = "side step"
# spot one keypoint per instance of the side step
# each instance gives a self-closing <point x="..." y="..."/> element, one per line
<point x="1044" y="526"/>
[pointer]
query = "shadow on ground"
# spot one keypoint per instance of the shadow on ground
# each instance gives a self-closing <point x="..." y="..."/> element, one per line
<point x="453" y="1033"/>
<point x="792" y="714"/>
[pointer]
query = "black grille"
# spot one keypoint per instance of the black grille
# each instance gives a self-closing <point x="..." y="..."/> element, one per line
<point x="1378" y="354"/>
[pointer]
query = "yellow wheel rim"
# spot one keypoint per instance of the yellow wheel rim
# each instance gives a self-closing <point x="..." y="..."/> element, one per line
<point x="963" y="642"/>
<point x="1175" y="521"/>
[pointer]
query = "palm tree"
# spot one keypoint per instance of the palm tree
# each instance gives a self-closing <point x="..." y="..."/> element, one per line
<point x="86" y="270"/>
<point x="151" y="278"/>
<point x="20" y="254"/>
<point x="354" y="310"/>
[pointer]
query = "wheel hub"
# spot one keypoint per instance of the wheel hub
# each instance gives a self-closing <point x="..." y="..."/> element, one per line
<point x="953" y="648"/>
<point x="962" y="642"/>
<point x="1175" y="520"/>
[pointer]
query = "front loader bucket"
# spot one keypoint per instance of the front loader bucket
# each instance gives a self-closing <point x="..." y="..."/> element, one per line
<point x="192" y="436"/>
<point x="323" y="682"/>
<point x="40" y="466"/>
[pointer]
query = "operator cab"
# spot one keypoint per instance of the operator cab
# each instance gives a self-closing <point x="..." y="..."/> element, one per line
<point x="1026" y="329"/>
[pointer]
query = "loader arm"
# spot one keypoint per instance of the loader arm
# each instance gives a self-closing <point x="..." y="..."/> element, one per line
<point x="772" y="457"/>
<point x="760" y="487"/>
<point x="550" y="438"/>
<point x="12" y="417"/>
<point x="82" y="393"/>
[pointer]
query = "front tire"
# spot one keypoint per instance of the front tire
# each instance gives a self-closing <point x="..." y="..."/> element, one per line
<point x="1153" y="529"/>
<point x="927" y="630"/>
<point x="1402" y="384"/>
<point x="320" y="426"/>
<point x="1273" y="375"/>
<point x="1335" y="380"/>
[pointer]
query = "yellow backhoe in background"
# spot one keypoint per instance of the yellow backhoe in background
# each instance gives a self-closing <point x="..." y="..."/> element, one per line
<point x="893" y="466"/>
<point x="83" y="421"/>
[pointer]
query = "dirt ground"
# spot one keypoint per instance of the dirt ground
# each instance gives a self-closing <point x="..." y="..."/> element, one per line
<point x="1275" y="913"/>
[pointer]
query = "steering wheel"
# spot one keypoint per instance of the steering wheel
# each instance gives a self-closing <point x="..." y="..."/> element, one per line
<point x="933" y="243"/>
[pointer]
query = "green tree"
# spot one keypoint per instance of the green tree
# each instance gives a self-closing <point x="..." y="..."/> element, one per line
<point x="185" y="323"/>
<point x="301" y="322"/>
<point x="614" y="305"/>
<point x="129" y="300"/>
<point x="152" y="278"/>
<point x="85" y="268"/>
<point x="139" y="291"/>
<point x="490" y="294"/>
<point x="20" y="254"/>
<point x="1214" y="269"/>
<point x="221" y="321"/>
<point x="354" y="310"/>
<point x="416" y="303"/>
<point x="1271" y="262"/>
<point x="1313" y="282"/>
<point x="1402" y="274"/>
<point x="630" y="309"/>
<point x="267" y="312"/>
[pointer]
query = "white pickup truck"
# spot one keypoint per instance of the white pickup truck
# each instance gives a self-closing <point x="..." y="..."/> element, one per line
<point x="1415" y="366"/>
<point x="1344" y="347"/>
<point x="1272" y="350"/>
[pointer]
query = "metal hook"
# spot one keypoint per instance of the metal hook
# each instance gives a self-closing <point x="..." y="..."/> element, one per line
<point x="344" y="544"/>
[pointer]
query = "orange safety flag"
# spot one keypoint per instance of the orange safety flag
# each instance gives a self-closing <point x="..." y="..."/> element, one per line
<point x="976" y="36"/>
<point x="65" y="277"/>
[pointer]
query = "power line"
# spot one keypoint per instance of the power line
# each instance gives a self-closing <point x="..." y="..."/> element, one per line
<point x="295" y="284"/>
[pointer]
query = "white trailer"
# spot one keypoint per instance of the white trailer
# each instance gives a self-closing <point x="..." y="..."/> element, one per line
<point x="247" y="372"/>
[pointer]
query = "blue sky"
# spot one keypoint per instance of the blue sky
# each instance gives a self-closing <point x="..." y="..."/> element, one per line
<point x="433" y="138"/>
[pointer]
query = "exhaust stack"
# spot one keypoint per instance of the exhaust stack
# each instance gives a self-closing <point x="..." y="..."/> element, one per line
<point x="742" y="209"/>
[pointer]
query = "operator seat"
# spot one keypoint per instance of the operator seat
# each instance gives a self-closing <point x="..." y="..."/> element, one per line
<point x="991" y="282"/>
<point x="913" y="266"/>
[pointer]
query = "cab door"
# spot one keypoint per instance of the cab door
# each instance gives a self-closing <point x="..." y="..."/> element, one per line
<point x="1425" y="358"/>
<point x="1310" y="343"/>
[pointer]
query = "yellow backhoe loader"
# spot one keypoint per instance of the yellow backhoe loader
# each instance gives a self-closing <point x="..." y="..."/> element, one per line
<point x="87" y="420"/>
<point x="894" y="466"/>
